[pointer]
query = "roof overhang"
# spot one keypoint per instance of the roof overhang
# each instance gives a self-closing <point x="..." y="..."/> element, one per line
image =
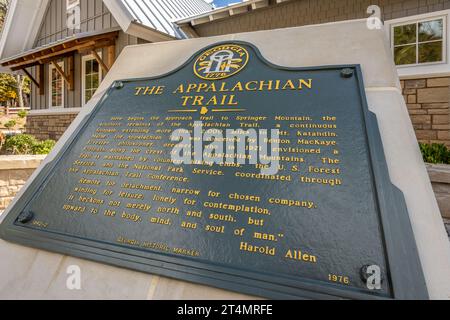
<point x="146" y="33"/>
<point x="224" y="13"/>
<point x="19" y="31"/>
<point x="131" y="26"/>
<point x="81" y="42"/>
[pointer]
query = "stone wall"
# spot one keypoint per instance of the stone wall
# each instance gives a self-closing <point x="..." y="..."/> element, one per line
<point x="48" y="126"/>
<point x="14" y="172"/>
<point x="428" y="105"/>
<point x="440" y="179"/>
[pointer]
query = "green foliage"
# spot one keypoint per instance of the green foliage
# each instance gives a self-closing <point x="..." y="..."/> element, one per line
<point x="10" y="124"/>
<point x="20" y="144"/>
<point x="435" y="153"/>
<point x="8" y="87"/>
<point x="43" y="147"/>
<point x="22" y="114"/>
<point x="27" y="144"/>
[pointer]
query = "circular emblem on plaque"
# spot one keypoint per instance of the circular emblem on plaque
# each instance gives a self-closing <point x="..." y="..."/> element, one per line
<point x="221" y="62"/>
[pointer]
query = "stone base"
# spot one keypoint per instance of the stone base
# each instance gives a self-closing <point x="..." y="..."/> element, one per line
<point x="428" y="106"/>
<point x="14" y="173"/>
<point x="49" y="126"/>
<point x="440" y="180"/>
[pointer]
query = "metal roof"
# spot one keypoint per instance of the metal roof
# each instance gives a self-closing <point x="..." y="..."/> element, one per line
<point x="228" y="11"/>
<point x="161" y="14"/>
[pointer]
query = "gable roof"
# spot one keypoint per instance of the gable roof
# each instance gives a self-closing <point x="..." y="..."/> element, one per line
<point x="152" y="20"/>
<point x="20" y="31"/>
<point x="159" y="15"/>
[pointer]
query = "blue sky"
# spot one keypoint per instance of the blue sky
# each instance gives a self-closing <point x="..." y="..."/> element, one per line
<point x="222" y="3"/>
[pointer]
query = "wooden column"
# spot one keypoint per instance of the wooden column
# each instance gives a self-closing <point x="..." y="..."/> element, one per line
<point x="41" y="77"/>
<point x="71" y="74"/>
<point x="111" y="56"/>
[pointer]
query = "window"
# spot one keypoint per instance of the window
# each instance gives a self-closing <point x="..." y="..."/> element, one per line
<point x="420" y="42"/>
<point x="91" y="77"/>
<point x="56" y="87"/>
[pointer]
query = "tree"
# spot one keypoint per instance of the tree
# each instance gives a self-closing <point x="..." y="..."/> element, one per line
<point x="8" y="86"/>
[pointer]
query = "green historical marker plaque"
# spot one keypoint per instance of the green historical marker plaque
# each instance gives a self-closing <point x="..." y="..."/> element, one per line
<point x="328" y="224"/>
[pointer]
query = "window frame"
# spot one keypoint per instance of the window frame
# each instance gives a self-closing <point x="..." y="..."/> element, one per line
<point x="50" y="82"/>
<point x="84" y="59"/>
<point x="416" y="21"/>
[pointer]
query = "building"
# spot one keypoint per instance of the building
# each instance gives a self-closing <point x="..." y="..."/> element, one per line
<point x="418" y="30"/>
<point x="67" y="46"/>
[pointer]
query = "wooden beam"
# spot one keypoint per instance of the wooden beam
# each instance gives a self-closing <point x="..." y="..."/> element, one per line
<point x="100" y="61"/>
<point x="111" y="56"/>
<point x="24" y="66"/>
<point x="98" y="45"/>
<point x="61" y="73"/>
<point x="72" y="45"/>
<point x="189" y="30"/>
<point x="62" y="54"/>
<point x="41" y="79"/>
<point x="42" y="61"/>
<point x="87" y="44"/>
<point x="29" y="75"/>
<point x="55" y="55"/>
<point x="60" y="57"/>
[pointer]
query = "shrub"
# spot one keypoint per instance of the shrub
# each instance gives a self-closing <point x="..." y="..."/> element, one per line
<point x="10" y="124"/>
<point x="20" y="144"/>
<point x="435" y="153"/>
<point x="27" y="144"/>
<point x="22" y="114"/>
<point x="43" y="147"/>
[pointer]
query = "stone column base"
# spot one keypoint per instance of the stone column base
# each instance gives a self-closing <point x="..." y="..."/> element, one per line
<point x="428" y="106"/>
